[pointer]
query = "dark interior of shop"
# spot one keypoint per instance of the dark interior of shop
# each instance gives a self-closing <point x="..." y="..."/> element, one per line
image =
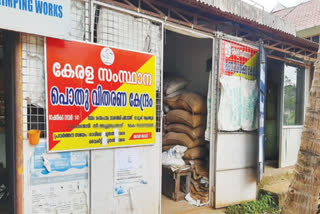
<point x="7" y="123"/>
<point x="292" y="77"/>
<point x="273" y="98"/>
<point x="187" y="58"/>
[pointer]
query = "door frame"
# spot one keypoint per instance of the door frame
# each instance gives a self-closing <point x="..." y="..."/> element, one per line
<point x="10" y="104"/>
<point x="214" y="72"/>
<point x="281" y="110"/>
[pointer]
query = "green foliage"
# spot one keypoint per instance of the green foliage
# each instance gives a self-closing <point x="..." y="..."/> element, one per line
<point x="290" y="100"/>
<point x="265" y="204"/>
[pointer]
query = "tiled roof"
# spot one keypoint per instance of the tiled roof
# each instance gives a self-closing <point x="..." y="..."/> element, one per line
<point x="304" y="15"/>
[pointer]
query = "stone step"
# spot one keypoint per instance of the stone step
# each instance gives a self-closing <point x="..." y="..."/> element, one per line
<point x="276" y="182"/>
<point x="275" y="175"/>
<point x="278" y="190"/>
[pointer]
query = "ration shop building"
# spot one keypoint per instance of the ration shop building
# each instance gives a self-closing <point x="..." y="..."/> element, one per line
<point x="102" y="100"/>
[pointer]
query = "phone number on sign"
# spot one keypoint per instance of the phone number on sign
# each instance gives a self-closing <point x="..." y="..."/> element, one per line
<point x="64" y="117"/>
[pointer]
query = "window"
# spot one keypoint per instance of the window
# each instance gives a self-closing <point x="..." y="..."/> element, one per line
<point x="293" y="95"/>
<point x="37" y="119"/>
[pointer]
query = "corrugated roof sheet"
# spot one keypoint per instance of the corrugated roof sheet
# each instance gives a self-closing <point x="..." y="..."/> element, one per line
<point x="303" y="16"/>
<point x="265" y="22"/>
<point x="252" y="13"/>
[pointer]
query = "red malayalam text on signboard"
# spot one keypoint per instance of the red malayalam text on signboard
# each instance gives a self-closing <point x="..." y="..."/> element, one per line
<point x="98" y="97"/>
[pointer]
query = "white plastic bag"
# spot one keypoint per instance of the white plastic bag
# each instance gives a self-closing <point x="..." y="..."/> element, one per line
<point x="229" y="115"/>
<point x="194" y="202"/>
<point x="249" y="96"/>
<point x="174" y="84"/>
<point x="173" y="157"/>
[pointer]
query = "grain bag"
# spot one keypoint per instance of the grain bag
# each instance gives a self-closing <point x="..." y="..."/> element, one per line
<point x="196" y="153"/>
<point x="199" y="168"/>
<point x="203" y="197"/>
<point x="194" y="133"/>
<point x="176" y="93"/>
<point x="229" y="115"/>
<point x="249" y="97"/>
<point x="173" y="156"/>
<point x="174" y="84"/>
<point x="172" y="102"/>
<point x="190" y="102"/>
<point x="193" y="102"/>
<point x="173" y="138"/>
<point x="184" y="117"/>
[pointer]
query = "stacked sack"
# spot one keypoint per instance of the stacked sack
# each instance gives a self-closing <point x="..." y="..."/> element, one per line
<point x="200" y="180"/>
<point x="185" y="126"/>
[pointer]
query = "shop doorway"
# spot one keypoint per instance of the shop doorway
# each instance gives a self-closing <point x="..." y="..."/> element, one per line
<point x="285" y="107"/>
<point x="7" y="123"/>
<point x="273" y="103"/>
<point x="187" y="63"/>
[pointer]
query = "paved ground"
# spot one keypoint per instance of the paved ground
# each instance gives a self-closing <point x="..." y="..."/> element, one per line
<point x="182" y="207"/>
<point x="275" y="180"/>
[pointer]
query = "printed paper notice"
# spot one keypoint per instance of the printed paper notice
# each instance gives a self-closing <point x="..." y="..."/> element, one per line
<point x="128" y="170"/>
<point x="59" y="182"/>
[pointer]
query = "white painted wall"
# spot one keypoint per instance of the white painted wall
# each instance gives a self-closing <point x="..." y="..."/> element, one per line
<point x="290" y="144"/>
<point x="145" y="198"/>
<point x="121" y="30"/>
<point x="235" y="168"/>
<point x="235" y="186"/>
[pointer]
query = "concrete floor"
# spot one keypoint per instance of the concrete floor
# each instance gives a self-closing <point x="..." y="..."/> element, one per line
<point x="169" y="206"/>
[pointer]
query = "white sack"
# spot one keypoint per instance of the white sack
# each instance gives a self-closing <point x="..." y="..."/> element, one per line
<point x="174" y="84"/>
<point x="249" y="96"/>
<point x="166" y="108"/>
<point x="229" y="115"/>
<point x="173" y="157"/>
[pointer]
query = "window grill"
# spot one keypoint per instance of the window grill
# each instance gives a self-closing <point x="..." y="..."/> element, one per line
<point x="120" y="30"/>
<point x="33" y="70"/>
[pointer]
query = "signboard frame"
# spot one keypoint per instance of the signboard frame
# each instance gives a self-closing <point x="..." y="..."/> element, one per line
<point x="98" y="148"/>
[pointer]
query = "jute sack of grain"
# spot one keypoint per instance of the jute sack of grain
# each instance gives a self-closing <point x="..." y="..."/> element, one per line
<point x="193" y="102"/>
<point x="198" y="186"/>
<point x="199" y="168"/>
<point x="181" y="116"/>
<point x="173" y="138"/>
<point x="172" y="102"/>
<point x="176" y="93"/>
<point x="190" y="101"/>
<point x="200" y="171"/>
<point x="202" y="196"/>
<point x="193" y="133"/>
<point x="198" y="152"/>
